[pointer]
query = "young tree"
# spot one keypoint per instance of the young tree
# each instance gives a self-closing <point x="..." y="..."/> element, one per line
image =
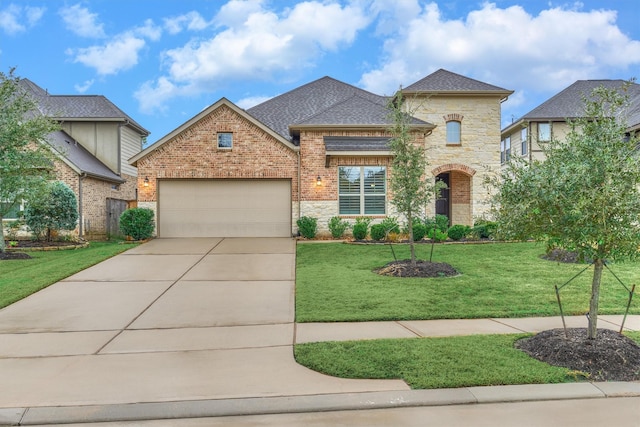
<point x="56" y="208"/>
<point x="584" y="197"/>
<point x="409" y="185"/>
<point x="26" y="162"/>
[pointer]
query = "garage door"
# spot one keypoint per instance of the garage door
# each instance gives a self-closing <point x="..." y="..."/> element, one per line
<point x="224" y="208"/>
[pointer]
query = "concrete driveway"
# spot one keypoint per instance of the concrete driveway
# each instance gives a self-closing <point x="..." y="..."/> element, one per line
<point x="170" y="320"/>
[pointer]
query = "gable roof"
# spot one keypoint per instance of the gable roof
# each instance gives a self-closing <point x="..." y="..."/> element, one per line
<point x="79" y="159"/>
<point x="78" y="107"/>
<point x="569" y="103"/>
<point x="195" y="119"/>
<point x="443" y="81"/>
<point x="300" y="104"/>
<point x="354" y="111"/>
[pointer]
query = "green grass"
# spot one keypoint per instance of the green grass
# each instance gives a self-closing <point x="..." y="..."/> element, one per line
<point x="21" y="278"/>
<point x="426" y="363"/>
<point x="335" y="282"/>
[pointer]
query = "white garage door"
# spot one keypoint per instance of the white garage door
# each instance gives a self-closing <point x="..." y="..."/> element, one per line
<point x="224" y="208"/>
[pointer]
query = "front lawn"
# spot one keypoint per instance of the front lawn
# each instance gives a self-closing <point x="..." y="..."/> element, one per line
<point x="335" y="282"/>
<point x="21" y="278"/>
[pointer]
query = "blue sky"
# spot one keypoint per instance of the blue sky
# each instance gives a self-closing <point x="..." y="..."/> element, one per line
<point x="163" y="61"/>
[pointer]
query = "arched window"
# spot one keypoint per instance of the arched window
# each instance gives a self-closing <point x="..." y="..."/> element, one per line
<point x="453" y="132"/>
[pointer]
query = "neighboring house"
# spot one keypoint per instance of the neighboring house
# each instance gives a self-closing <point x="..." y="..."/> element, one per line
<point x="320" y="150"/>
<point x="549" y="120"/>
<point x="96" y="140"/>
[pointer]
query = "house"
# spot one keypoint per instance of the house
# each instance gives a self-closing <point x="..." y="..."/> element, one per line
<point x="320" y="150"/>
<point x="96" y="140"/>
<point x="549" y="120"/>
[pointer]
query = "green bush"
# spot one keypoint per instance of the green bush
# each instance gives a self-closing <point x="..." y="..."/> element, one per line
<point x="378" y="232"/>
<point x="419" y="231"/>
<point x="438" y="236"/>
<point x="361" y="228"/>
<point x="308" y="226"/>
<point x="390" y="224"/>
<point x="54" y="209"/>
<point x="442" y="222"/>
<point x="137" y="223"/>
<point x="338" y="226"/>
<point x="484" y="229"/>
<point x="458" y="231"/>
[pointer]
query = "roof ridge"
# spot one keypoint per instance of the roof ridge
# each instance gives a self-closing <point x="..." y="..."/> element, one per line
<point x="332" y="106"/>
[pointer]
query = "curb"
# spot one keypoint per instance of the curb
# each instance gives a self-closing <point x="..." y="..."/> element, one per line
<point x="314" y="403"/>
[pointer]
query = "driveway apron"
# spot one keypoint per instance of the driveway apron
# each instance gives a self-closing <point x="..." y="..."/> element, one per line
<point x="169" y="320"/>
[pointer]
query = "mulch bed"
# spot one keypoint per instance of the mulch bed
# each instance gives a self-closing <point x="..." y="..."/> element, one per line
<point x="9" y="255"/>
<point x="610" y="357"/>
<point x="13" y="252"/>
<point x="421" y="269"/>
<point x="561" y="255"/>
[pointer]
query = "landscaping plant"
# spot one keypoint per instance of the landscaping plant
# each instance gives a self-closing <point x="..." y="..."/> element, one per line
<point x="56" y="208"/>
<point x="137" y="223"/>
<point x="338" y="226"/>
<point x="308" y="226"/>
<point x="361" y="228"/>
<point x="458" y="231"/>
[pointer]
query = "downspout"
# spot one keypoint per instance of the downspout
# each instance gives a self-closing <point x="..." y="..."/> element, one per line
<point x="299" y="186"/>
<point x="80" y="216"/>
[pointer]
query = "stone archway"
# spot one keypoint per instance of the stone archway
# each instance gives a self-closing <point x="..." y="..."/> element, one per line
<point x="459" y="200"/>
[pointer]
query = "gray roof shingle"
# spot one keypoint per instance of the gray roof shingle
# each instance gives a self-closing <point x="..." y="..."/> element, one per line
<point x="355" y="143"/>
<point x="77" y="155"/>
<point x="301" y="103"/>
<point x="446" y="81"/>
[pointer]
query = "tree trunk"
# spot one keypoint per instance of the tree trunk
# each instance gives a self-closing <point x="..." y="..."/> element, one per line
<point x="2" y="245"/>
<point x="595" y="297"/>
<point x="411" y="244"/>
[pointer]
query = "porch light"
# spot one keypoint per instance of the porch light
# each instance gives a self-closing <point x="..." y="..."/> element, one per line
<point x="146" y="181"/>
<point x="319" y="181"/>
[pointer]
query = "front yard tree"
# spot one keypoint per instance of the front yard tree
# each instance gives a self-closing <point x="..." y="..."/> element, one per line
<point x="25" y="159"/>
<point x="584" y="197"/>
<point x="409" y="186"/>
<point x="56" y="208"/>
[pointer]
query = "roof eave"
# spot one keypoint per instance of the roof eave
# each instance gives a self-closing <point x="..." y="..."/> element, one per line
<point x="427" y="126"/>
<point x="361" y="153"/>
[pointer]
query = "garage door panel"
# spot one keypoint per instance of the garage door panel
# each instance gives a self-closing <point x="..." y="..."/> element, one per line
<point x="224" y="208"/>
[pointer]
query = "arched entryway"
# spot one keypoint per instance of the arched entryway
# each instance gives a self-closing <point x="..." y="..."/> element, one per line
<point x="456" y="201"/>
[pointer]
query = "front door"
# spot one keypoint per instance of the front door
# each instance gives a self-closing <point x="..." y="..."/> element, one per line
<point x="443" y="203"/>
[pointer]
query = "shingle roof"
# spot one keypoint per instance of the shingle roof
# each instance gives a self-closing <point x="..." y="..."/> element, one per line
<point x="568" y="104"/>
<point x="78" y="106"/>
<point x="301" y="103"/>
<point x="355" y="110"/>
<point x="79" y="157"/>
<point x="355" y="143"/>
<point x="446" y="81"/>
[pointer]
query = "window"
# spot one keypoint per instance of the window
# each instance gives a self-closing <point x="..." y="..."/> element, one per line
<point x="523" y="141"/>
<point x="225" y="140"/>
<point x="453" y="132"/>
<point x="544" y="131"/>
<point x="15" y="212"/>
<point x="505" y="150"/>
<point x="362" y="190"/>
<point x="502" y="151"/>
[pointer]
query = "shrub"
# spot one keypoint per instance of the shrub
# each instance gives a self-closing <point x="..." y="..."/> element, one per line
<point x="442" y="222"/>
<point x="419" y="231"/>
<point x="378" y="232"/>
<point x="137" y="223"/>
<point x="438" y="236"/>
<point x="390" y="225"/>
<point x="484" y="229"/>
<point x="338" y="226"/>
<point x="361" y="228"/>
<point x="458" y="231"/>
<point x="308" y="226"/>
<point x="54" y="209"/>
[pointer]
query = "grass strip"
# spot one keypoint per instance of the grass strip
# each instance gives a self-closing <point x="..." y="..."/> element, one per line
<point x="21" y="278"/>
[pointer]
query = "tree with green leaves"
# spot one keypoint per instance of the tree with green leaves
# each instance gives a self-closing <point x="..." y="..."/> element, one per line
<point x="410" y="188"/>
<point x="584" y="196"/>
<point x="26" y="161"/>
<point x="56" y="208"/>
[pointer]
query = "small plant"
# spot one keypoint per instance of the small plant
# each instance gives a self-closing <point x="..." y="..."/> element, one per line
<point x="338" y="226"/>
<point x="361" y="228"/>
<point x="437" y="235"/>
<point x="458" y="231"/>
<point x="308" y="227"/>
<point x="390" y="224"/>
<point x="378" y="232"/>
<point x="13" y="243"/>
<point x="137" y="223"/>
<point x="484" y="229"/>
<point x="442" y="222"/>
<point x="419" y="230"/>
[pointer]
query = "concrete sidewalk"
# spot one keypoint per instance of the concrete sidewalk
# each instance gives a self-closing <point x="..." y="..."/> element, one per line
<point x="183" y="328"/>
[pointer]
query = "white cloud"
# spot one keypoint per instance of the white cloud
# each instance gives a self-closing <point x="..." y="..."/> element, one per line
<point x="251" y="101"/>
<point x="255" y="42"/>
<point x="82" y="22"/>
<point x="16" y="19"/>
<point x="191" y="21"/>
<point x="117" y="55"/>
<point x="506" y="47"/>
<point x="84" y="86"/>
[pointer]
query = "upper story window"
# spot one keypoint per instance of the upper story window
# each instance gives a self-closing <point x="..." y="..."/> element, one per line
<point x="524" y="145"/>
<point x="362" y="190"/>
<point x="453" y="132"/>
<point x="505" y="150"/>
<point x="544" y="131"/>
<point x="225" y="140"/>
